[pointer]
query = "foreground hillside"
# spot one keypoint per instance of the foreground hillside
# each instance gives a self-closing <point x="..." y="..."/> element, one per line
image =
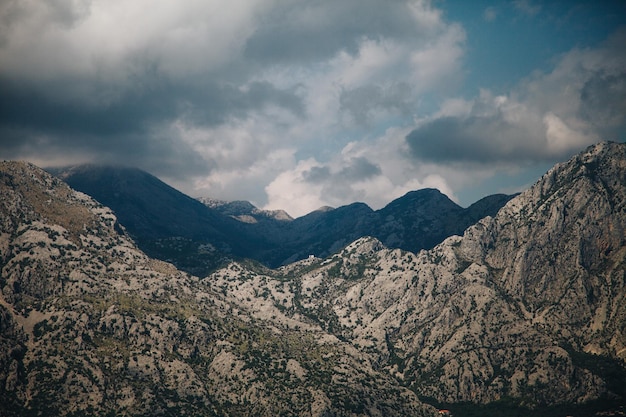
<point x="91" y="326"/>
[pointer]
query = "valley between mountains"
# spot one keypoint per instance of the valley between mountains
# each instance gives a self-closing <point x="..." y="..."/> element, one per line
<point x="514" y="305"/>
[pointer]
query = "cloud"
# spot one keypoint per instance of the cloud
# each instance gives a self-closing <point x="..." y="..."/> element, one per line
<point x="220" y="87"/>
<point x="365" y="105"/>
<point x="352" y="170"/>
<point x="547" y="117"/>
<point x="138" y="129"/>
<point x="307" y="32"/>
<point x="482" y="139"/>
<point x="603" y="103"/>
<point x="372" y="172"/>
<point x="289" y="104"/>
<point x="312" y="184"/>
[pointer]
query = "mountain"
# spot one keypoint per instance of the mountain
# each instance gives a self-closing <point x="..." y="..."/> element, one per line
<point x="424" y="218"/>
<point x="199" y="236"/>
<point x="524" y="314"/>
<point x="164" y="222"/>
<point x="89" y="325"/>
<point x="244" y="211"/>
<point x="526" y="310"/>
<point x="418" y="220"/>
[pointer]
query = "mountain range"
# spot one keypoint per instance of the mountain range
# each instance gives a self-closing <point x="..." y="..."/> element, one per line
<point x="198" y="236"/>
<point x="522" y="313"/>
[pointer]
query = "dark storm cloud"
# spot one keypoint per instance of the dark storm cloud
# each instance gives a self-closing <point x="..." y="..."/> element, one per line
<point x="355" y="169"/>
<point x="40" y="108"/>
<point x="359" y="169"/>
<point x="317" y="175"/>
<point x="363" y="102"/>
<point x="133" y="109"/>
<point x="482" y="139"/>
<point x="132" y="126"/>
<point x="217" y="103"/>
<point x="603" y="101"/>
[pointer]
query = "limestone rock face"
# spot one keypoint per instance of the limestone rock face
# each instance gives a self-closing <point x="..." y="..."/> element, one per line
<point x="529" y="303"/>
<point x="559" y="249"/>
<point x="503" y="310"/>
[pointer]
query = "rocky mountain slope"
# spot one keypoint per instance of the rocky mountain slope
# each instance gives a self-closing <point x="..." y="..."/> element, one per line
<point x="527" y="307"/>
<point x="529" y="304"/>
<point x="171" y="226"/>
<point x="89" y="325"/>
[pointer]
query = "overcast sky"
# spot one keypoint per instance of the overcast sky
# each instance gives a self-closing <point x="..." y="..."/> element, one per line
<point x="297" y="104"/>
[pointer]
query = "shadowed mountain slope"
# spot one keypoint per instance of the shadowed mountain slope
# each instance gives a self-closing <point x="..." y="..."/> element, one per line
<point x="198" y="237"/>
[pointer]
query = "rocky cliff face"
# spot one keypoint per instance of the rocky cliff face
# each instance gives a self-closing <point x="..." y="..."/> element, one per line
<point x="244" y="211"/>
<point x="528" y="304"/>
<point x="89" y="325"/>
<point x="559" y="249"/>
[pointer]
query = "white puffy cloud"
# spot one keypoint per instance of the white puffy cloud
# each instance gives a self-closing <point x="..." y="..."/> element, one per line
<point x="372" y="172"/>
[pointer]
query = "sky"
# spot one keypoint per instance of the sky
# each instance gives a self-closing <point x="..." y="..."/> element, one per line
<point x="299" y="104"/>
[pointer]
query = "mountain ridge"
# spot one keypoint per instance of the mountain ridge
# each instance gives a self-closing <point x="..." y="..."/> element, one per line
<point x="527" y="307"/>
<point x="528" y="304"/>
<point x="170" y="226"/>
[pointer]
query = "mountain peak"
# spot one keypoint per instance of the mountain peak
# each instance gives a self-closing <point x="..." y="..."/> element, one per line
<point x="244" y="211"/>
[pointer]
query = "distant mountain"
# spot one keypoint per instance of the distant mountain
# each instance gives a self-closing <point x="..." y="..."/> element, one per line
<point x="149" y="206"/>
<point x="244" y="211"/>
<point x="90" y="326"/>
<point x="198" y="236"/>
<point x="424" y="218"/>
<point x="418" y="220"/>
<point x="164" y="222"/>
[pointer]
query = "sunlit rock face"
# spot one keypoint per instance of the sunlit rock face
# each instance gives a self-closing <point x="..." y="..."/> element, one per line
<point x="527" y="304"/>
